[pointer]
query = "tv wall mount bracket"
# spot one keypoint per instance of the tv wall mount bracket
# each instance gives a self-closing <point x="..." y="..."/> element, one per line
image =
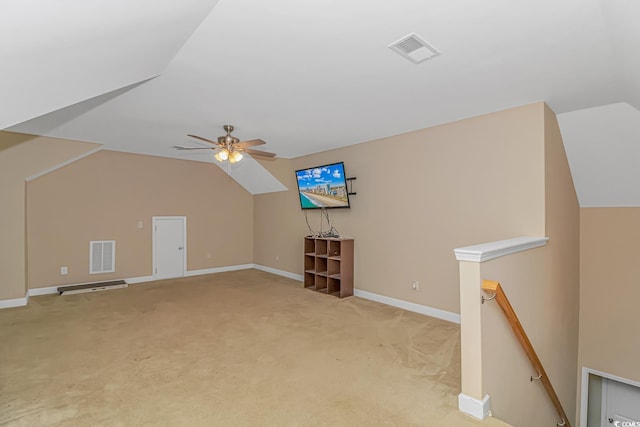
<point x="350" y="186"/>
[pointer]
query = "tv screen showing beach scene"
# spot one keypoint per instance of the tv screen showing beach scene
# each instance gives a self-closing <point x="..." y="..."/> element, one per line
<point x="323" y="187"/>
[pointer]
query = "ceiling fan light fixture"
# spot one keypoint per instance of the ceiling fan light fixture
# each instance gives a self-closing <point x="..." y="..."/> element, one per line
<point x="228" y="147"/>
<point x="236" y="156"/>
<point x="222" y="155"/>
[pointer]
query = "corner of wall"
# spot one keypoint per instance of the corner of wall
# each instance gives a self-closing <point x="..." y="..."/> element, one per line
<point x="562" y="226"/>
<point x="14" y="302"/>
<point x="479" y="409"/>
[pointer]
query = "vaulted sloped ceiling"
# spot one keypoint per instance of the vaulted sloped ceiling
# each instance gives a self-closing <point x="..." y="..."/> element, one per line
<point x="603" y="141"/>
<point x="315" y="75"/>
<point x="57" y="53"/>
<point x="603" y="147"/>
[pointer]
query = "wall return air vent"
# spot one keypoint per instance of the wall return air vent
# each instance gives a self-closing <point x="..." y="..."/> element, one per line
<point x="102" y="256"/>
<point x="414" y="48"/>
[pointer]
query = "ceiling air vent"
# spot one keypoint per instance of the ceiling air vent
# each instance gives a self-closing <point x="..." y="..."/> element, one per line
<point x="414" y="48"/>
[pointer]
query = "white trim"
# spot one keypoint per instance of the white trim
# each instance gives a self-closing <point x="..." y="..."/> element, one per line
<point x="486" y="251"/>
<point x="15" y="302"/>
<point x="49" y="290"/>
<point x="44" y="291"/>
<point x="405" y="305"/>
<point x="409" y="306"/>
<point x="153" y="244"/>
<point x="134" y="280"/>
<point x="217" y="270"/>
<point x="283" y="273"/>
<point x="479" y="409"/>
<point x="63" y="164"/>
<point x="140" y="279"/>
<point x="584" y="389"/>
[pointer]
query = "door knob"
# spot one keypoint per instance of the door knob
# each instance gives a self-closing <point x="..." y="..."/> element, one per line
<point x="179" y="248"/>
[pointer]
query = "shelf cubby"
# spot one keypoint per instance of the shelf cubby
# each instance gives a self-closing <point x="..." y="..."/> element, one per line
<point x="309" y="262"/>
<point x="321" y="265"/>
<point x="309" y="279"/>
<point x="333" y="266"/>
<point x="334" y="249"/>
<point x="333" y="286"/>
<point x="321" y="247"/>
<point x="309" y="247"/>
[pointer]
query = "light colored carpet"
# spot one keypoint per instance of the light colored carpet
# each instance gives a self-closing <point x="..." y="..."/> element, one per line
<point x="243" y="348"/>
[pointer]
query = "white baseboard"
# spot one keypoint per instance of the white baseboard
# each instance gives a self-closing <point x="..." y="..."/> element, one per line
<point x="409" y="306"/>
<point x="283" y="273"/>
<point x="479" y="409"/>
<point x="217" y="270"/>
<point x="54" y="289"/>
<point x="405" y="305"/>
<point x="48" y="290"/>
<point x="140" y="279"/>
<point x="44" y="291"/>
<point x="15" y="302"/>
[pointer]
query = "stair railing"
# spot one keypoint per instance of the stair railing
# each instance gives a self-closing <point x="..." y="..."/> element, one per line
<point x="495" y="290"/>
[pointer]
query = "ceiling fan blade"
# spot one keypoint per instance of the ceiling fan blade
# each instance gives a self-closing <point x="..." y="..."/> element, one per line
<point x="180" y="147"/>
<point x="203" y="139"/>
<point x="251" y="143"/>
<point x="259" y="153"/>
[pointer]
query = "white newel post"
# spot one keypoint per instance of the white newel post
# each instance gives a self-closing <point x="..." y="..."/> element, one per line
<point x="473" y="399"/>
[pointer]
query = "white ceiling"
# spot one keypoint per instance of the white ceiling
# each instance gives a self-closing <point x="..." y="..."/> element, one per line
<point x="54" y="54"/>
<point x="603" y="147"/>
<point x="308" y="76"/>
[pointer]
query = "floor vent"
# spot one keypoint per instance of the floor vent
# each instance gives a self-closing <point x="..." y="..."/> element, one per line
<point x="92" y="287"/>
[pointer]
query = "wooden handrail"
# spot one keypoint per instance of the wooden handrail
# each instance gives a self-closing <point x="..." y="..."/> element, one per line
<point x="493" y="287"/>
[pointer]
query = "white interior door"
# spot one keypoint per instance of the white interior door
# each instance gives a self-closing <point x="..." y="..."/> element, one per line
<point x="169" y="246"/>
<point x="620" y="404"/>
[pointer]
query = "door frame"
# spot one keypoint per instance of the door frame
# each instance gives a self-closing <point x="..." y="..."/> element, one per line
<point x="154" y="223"/>
<point x="584" y="389"/>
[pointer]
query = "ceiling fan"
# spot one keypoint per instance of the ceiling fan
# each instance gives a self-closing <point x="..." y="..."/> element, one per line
<point x="231" y="148"/>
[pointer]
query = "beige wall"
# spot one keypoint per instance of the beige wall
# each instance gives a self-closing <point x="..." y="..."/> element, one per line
<point x="471" y="330"/>
<point x="542" y="285"/>
<point x="277" y="228"/>
<point x="525" y="278"/>
<point x="562" y="223"/>
<point x="20" y="157"/>
<point x="103" y="196"/>
<point x="610" y="290"/>
<point x="420" y="195"/>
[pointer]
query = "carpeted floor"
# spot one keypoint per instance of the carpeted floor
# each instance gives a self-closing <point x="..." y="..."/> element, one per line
<point x="243" y="348"/>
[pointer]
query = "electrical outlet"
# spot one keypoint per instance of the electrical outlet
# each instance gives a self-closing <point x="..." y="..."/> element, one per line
<point x="64" y="270"/>
<point x="415" y="285"/>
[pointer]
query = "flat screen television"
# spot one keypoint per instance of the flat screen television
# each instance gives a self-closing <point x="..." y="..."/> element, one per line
<point x="323" y="187"/>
